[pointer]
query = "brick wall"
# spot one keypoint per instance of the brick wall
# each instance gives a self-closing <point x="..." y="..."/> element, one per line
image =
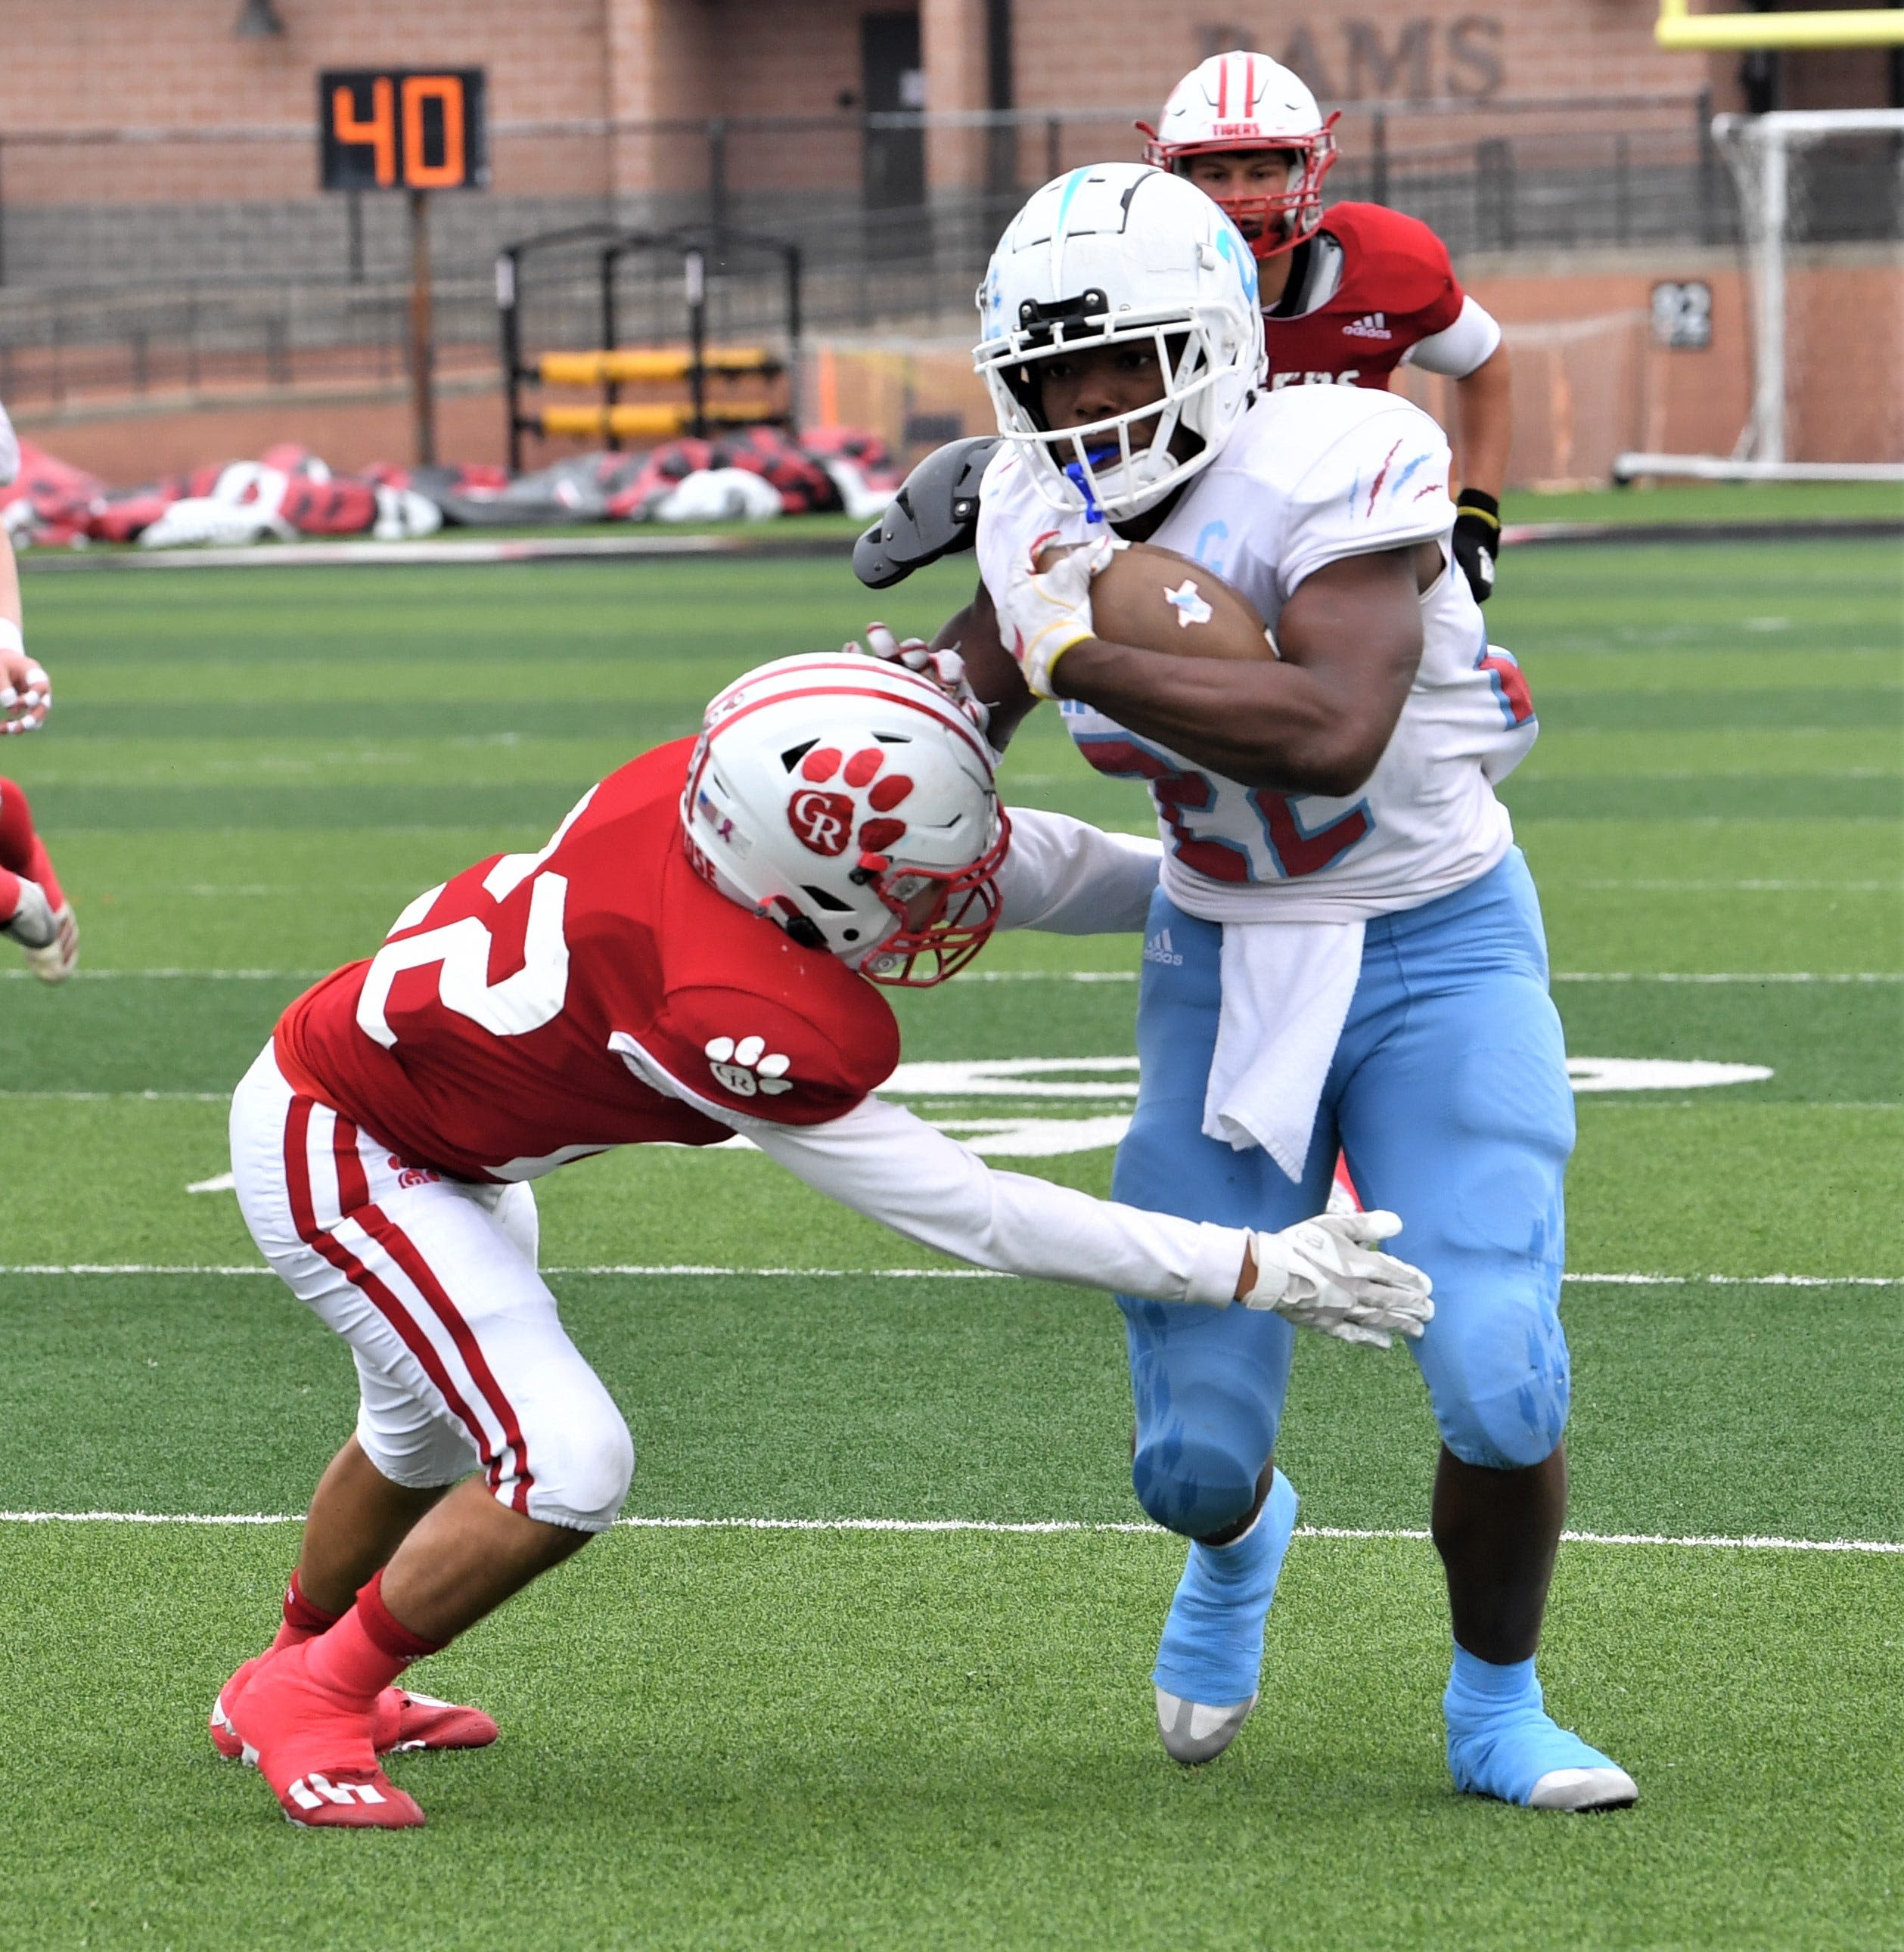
<point x="1082" y="52"/>
<point x="163" y="63"/>
<point x="120" y="63"/>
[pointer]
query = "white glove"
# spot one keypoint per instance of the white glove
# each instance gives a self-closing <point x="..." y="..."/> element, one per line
<point x="1043" y="613"/>
<point x="25" y="693"/>
<point x="1326" y="1274"/>
<point x="946" y="668"/>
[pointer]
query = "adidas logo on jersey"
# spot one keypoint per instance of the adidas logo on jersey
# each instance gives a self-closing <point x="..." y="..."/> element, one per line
<point x="1370" y="325"/>
<point x="748" y="1067"/>
<point x="1157" y="949"/>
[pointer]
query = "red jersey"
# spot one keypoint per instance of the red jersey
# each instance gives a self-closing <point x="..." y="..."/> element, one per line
<point x="1397" y="288"/>
<point x="540" y="1007"/>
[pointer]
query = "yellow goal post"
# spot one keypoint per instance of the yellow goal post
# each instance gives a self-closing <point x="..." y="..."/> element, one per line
<point x="1773" y="158"/>
<point x="1679" y="27"/>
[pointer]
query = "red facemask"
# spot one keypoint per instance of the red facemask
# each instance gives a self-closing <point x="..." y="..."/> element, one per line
<point x="958" y="925"/>
<point x="1271" y="224"/>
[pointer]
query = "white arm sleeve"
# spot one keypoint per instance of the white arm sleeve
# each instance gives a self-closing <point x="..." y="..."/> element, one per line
<point x="1469" y="342"/>
<point x="883" y="1161"/>
<point x="9" y="450"/>
<point x="1069" y="878"/>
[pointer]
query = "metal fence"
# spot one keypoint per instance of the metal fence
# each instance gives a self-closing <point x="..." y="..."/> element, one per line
<point x="190" y="260"/>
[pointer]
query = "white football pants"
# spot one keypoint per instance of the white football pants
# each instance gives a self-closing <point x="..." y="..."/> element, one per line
<point x="462" y="1361"/>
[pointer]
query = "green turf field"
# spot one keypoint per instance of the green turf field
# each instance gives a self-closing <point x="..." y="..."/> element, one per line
<point x="816" y="1734"/>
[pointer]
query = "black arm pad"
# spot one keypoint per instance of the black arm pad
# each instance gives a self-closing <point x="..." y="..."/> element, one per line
<point x="935" y="513"/>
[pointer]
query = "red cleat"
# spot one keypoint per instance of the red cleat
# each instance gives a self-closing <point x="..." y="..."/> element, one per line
<point x="315" y="1750"/>
<point x="401" y="1721"/>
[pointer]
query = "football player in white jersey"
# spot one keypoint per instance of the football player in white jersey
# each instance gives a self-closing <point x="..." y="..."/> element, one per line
<point x="1346" y="947"/>
<point x="33" y="908"/>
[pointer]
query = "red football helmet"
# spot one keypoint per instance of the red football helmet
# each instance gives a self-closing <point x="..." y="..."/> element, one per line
<point x="850" y="801"/>
<point x="1244" y="102"/>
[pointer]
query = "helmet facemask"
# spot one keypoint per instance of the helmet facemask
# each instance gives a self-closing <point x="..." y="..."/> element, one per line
<point x="1099" y="466"/>
<point x="1272" y="222"/>
<point x="962" y="914"/>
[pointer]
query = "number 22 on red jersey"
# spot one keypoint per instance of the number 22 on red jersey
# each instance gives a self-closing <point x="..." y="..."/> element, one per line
<point x="522" y="1001"/>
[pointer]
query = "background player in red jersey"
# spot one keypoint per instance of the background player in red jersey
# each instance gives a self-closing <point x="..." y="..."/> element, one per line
<point x="694" y="954"/>
<point x="33" y="908"/>
<point x="1349" y="296"/>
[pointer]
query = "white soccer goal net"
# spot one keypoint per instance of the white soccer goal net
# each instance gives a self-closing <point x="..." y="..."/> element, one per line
<point x="1821" y="218"/>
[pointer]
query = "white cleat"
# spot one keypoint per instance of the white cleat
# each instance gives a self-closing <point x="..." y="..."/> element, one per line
<point x="56" y="960"/>
<point x="1583" y="1789"/>
<point x="1194" y="1733"/>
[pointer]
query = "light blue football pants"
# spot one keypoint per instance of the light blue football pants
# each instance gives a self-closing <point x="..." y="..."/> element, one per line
<point x="1448" y="1097"/>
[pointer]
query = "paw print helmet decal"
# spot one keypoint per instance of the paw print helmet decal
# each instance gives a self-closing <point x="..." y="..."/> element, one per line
<point x="850" y="801"/>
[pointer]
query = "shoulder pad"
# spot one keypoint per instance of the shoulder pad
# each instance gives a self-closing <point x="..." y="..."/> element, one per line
<point x="935" y="513"/>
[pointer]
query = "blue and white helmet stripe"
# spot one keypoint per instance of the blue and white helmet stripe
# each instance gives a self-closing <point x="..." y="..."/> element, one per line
<point x="1170" y="267"/>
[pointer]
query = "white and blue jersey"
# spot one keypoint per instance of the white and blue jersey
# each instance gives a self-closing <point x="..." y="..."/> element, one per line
<point x="1444" y="1086"/>
<point x="1309" y="476"/>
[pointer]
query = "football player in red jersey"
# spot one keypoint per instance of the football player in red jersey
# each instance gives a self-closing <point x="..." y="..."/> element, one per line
<point x="33" y="909"/>
<point x="695" y="953"/>
<point x="1350" y="295"/>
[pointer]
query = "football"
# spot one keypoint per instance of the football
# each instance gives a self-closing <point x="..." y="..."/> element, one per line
<point x="1159" y="601"/>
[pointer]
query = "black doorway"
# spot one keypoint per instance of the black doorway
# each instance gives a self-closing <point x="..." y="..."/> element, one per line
<point x="892" y="80"/>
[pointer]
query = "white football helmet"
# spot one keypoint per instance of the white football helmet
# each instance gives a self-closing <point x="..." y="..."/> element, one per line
<point x="829" y="793"/>
<point x="1104" y="255"/>
<point x="1242" y="100"/>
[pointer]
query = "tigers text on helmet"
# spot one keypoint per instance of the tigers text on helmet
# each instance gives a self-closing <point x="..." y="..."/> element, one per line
<point x="848" y="800"/>
<point x="1243" y="101"/>
<point x="1112" y="255"/>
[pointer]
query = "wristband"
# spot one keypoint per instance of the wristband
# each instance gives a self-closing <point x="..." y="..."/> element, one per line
<point x="10" y="637"/>
<point x="1479" y="503"/>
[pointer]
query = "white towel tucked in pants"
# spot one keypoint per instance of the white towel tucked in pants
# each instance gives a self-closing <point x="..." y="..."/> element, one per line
<point x="1286" y="990"/>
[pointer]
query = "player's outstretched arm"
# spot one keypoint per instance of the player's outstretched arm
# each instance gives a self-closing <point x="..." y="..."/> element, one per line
<point x="25" y="696"/>
<point x="883" y="1161"/>
<point x="1318" y="722"/>
<point x="1484" y="424"/>
<point x="1064" y="876"/>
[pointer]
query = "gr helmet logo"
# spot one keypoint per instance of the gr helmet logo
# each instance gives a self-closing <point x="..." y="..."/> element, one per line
<point x="822" y="822"/>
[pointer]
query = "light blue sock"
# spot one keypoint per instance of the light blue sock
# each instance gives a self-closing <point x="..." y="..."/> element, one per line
<point x="1500" y="1739"/>
<point x="1212" y="1648"/>
<point x="1487" y="1686"/>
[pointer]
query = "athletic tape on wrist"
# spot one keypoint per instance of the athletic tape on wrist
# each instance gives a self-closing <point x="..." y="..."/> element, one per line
<point x="10" y="637"/>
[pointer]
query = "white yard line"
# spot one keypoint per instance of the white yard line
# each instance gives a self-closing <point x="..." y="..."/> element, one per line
<point x="180" y="975"/>
<point x="670" y="1270"/>
<point x="1073" y="975"/>
<point x="1729" y="976"/>
<point x="1748" y="887"/>
<point x="1034" y="1527"/>
<point x="124" y="1097"/>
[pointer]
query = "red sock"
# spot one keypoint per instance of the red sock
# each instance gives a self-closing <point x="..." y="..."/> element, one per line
<point x="17" y="835"/>
<point x="304" y="1619"/>
<point x="21" y="848"/>
<point x="9" y="894"/>
<point x="40" y="869"/>
<point x="367" y="1650"/>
